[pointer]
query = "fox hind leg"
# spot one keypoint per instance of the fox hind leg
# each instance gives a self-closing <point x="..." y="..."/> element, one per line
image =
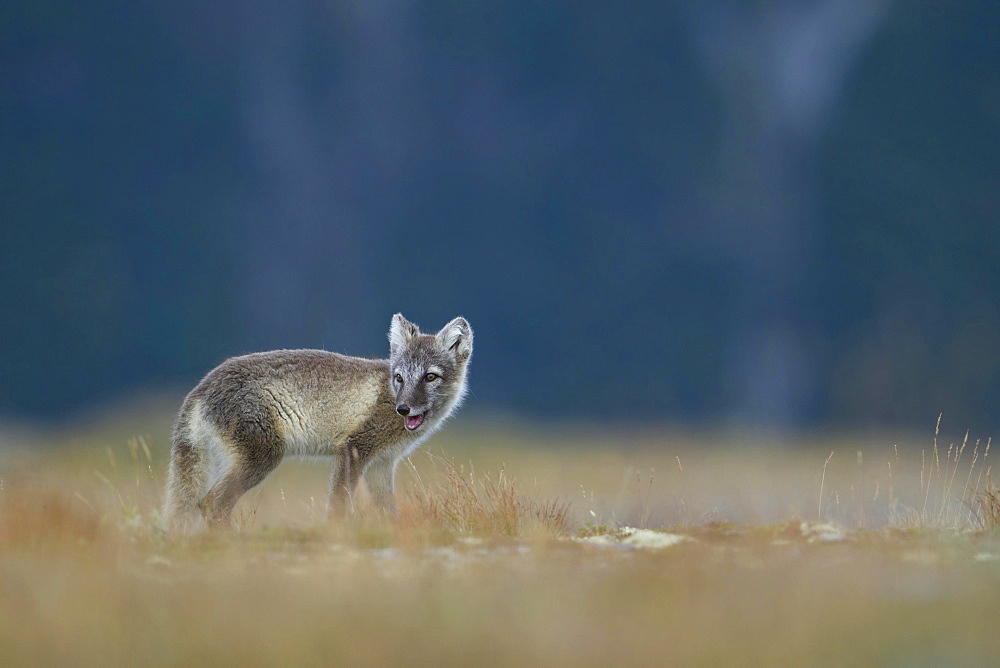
<point x="187" y="482"/>
<point x="255" y="455"/>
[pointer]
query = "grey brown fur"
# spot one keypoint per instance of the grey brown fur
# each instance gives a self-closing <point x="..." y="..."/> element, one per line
<point x="247" y="414"/>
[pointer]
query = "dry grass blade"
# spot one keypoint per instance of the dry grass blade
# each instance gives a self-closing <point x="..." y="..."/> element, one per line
<point x="987" y="507"/>
<point x="822" y="482"/>
<point x="489" y="505"/>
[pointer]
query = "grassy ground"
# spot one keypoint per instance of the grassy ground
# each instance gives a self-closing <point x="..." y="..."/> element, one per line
<point x="518" y="546"/>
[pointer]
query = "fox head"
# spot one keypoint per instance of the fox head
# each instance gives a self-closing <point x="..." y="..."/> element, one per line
<point x="427" y="371"/>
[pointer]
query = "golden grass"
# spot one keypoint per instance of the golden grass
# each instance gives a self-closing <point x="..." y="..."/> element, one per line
<point x="488" y="505"/>
<point x="876" y="554"/>
<point x="987" y="507"/>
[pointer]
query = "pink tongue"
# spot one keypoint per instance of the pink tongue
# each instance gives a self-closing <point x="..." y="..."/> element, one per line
<point x="413" y="421"/>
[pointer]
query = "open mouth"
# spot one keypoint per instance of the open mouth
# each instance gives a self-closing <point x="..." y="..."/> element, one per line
<point x="414" y="421"/>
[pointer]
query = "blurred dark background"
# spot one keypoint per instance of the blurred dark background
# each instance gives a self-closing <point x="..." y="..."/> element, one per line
<point x="776" y="213"/>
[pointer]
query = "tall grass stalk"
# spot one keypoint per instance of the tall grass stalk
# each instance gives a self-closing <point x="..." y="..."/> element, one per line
<point x="822" y="482"/>
<point x="484" y="505"/>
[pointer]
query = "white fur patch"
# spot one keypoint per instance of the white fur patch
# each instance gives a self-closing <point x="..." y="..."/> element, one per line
<point x="452" y="336"/>
<point x="401" y="332"/>
<point x="217" y="451"/>
<point x="457" y="334"/>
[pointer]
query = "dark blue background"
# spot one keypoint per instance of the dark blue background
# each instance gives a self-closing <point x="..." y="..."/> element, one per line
<point x="781" y="213"/>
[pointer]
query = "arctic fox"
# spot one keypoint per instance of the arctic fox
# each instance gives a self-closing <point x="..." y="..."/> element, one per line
<point x="240" y="421"/>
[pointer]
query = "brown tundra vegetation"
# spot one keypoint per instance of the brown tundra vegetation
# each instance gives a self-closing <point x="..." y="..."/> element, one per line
<point x="519" y="546"/>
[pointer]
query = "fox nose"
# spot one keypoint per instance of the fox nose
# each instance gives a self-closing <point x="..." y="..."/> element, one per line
<point x="403" y="409"/>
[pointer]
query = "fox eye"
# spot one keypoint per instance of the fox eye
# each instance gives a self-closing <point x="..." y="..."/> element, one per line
<point x="399" y="378"/>
<point x="431" y="377"/>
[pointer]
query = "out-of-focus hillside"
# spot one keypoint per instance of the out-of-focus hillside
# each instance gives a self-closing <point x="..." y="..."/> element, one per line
<point x="775" y="213"/>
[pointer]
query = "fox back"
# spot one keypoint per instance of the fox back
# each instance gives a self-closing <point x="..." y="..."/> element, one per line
<point x="247" y="414"/>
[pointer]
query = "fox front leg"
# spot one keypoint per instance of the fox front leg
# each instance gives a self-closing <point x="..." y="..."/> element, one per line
<point x="381" y="478"/>
<point x="347" y="468"/>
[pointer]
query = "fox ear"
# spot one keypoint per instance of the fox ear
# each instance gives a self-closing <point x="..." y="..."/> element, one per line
<point x="401" y="332"/>
<point x="456" y="337"/>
